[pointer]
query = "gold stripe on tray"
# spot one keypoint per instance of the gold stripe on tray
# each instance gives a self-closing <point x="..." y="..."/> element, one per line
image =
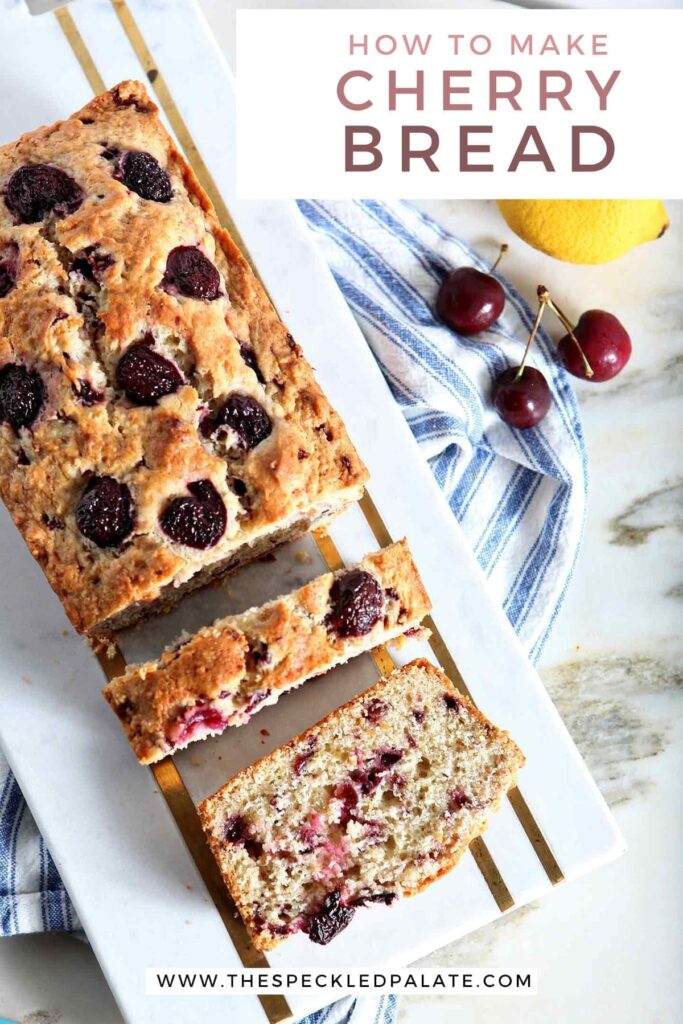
<point x="382" y="658"/>
<point x="168" y="105"/>
<point x="79" y="48"/>
<point x="437" y="643"/>
<point x="184" y="811"/>
<point x="386" y="664"/>
<point x="535" y="836"/>
<point x="182" y="807"/>
<point x="166" y="774"/>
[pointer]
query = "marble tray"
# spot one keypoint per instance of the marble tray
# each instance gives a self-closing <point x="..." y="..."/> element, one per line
<point x="125" y="839"/>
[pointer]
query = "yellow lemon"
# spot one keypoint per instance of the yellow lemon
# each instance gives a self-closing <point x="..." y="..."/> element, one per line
<point x="585" y="230"/>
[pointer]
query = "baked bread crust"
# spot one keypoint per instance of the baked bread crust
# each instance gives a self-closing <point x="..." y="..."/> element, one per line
<point x="226" y="672"/>
<point x="87" y="285"/>
<point x="409" y="825"/>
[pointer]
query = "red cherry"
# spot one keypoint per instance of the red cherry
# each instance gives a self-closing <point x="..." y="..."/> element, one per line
<point x="521" y="395"/>
<point x="605" y="344"/>
<point x="469" y="300"/>
<point x="522" y="400"/>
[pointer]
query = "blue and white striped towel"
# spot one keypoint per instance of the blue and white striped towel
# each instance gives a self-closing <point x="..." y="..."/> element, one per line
<point x="519" y="496"/>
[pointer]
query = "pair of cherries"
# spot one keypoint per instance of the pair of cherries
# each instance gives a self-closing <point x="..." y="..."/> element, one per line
<point x="597" y="348"/>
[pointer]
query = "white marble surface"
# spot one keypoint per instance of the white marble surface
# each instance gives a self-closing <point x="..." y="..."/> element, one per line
<point x="608" y="946"/>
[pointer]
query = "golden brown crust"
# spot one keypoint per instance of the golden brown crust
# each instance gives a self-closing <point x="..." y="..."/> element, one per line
<point x="263" y="652"/>
<point x="239" y="792"/>
<point x="73" y="329"/>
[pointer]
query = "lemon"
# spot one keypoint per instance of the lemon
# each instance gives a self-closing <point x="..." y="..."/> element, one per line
<point x="585" y="230"/>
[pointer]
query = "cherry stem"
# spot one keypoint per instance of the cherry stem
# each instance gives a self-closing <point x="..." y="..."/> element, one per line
<point x="542" y="302"/>
<point x="503" y="249"/>
<point x="570" y="331"/>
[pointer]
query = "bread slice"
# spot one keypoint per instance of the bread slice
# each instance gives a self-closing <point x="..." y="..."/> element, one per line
<point x="373" y="803"/>
<point x="225" y="673"/>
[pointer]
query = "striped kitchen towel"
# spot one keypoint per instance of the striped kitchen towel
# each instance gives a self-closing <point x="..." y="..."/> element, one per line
<point x="519" y="496"/>
<point x="367" y="1010"/>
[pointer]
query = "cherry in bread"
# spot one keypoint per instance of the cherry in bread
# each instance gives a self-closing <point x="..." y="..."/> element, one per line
<point x="392" y="789"/>
<point x="307" y="855"/>
<point x="151" y="399"/>
<point x="227" y="672"/>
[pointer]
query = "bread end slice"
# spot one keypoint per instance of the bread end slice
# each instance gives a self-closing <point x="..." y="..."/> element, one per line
<point x="372" y="804"/>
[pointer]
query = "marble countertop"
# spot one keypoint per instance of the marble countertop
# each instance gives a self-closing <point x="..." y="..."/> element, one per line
<point x="608" y="946"/>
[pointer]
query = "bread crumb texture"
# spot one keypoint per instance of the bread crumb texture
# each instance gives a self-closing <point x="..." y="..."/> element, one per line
<point x="370" y="805"/>
<point x="227" y="672"/>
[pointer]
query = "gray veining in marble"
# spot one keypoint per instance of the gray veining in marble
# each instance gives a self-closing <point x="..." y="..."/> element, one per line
<point x="618" y="711"/>
<point x="613" y="666"/>
<point x="608" y="946"/>
<point x="658" y="510"/>
<point x="661" y="380"/>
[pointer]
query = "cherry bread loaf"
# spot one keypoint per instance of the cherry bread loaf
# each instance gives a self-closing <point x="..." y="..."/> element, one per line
<point x="373" y="803"/>
<point x="227" y="672"/>
<point x="159" y="426"/>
